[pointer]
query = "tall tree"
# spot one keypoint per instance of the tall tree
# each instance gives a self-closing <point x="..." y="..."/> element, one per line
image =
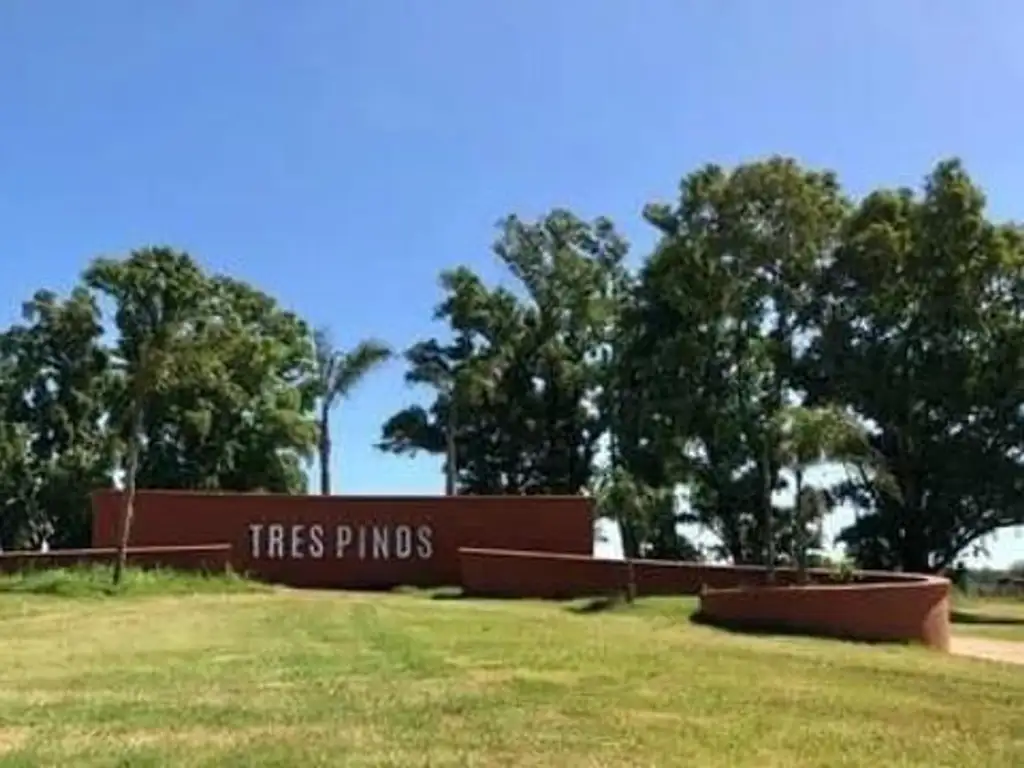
<point x="54" y="392"/>
<point x="922" y="334"/>
<point x="520" y="378"/>
<point x="214" y="384"/>
<point x="160" y="298"/>
<point x="338" y="373"/>
<point x="237" y="411"/>
<point x="718" y="315"/>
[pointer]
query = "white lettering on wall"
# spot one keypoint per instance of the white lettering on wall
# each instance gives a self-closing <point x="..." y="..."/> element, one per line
<point x="298" y="541"/>
<point x="403" y="542"/>
<point x="424" y="542"/>
<point x="344" y="539"/>
<point x="275" y="541"/>
<point x="380" y="543"/>
<point x="316" y="541"/>
<point x="255" y="529"/>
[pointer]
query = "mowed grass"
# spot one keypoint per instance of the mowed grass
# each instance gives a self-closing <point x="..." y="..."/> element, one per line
<point x="97" y="582"/>
<point x="997" y="618"/>
<point x="208" y="677"/>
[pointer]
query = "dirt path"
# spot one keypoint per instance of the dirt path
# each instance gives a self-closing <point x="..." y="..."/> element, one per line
<point x="1006" y="651"/>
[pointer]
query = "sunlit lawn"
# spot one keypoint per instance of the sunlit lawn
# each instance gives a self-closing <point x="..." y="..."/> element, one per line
<point x="317" y="679"/>
<point x="998" y="618"/>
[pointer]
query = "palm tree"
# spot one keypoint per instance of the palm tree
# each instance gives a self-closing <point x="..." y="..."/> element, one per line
<point x="456" y="384"/>
<point x="440" y="375"/>
<point x="460" y="377"/>
<point x="634" y="505"/>
<point x="339" y="372"/>
<point x="812" y="436"/>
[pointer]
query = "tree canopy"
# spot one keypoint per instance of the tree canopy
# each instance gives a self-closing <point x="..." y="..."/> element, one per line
<point x="775" y="323"/>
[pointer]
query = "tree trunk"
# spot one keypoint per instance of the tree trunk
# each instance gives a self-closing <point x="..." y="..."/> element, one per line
<point x="630" y="580"/>
<point x="450" y="470"/>
<point x="128" y="505"/>
<point x="800" y="529"/>
<point x="325" y="453"/>
<point x="769" y="517"/>
<point x="630" y="550"/>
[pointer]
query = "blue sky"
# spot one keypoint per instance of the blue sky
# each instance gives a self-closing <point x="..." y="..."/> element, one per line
<point x="340" y="153"/>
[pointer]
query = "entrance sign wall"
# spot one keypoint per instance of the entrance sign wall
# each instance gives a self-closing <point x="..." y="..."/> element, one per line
<point x="348" y="541"/>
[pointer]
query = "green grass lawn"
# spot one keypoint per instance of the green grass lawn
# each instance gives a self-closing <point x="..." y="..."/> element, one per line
<point x="222" y="675"/>
<point x="998" y="618"/>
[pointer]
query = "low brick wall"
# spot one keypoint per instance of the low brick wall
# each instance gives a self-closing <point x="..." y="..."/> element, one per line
<point x="908" y="608"/>
<point x="212" y="558"/>
<point x="510" y="573"/>
<point x="876" y="606"/>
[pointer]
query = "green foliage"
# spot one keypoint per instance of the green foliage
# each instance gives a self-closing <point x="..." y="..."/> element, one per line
<point x="809" y="436"/>
<point x="337" y="375"/>
<point x="635" y="506"/>
<point x="515" y="387"/>
<point x="206" y="384"/>
<point x="56" y="385"/>
<point x="713" y="333"/>
<point x="920" y="321"/>
<point x="775" y="326"/>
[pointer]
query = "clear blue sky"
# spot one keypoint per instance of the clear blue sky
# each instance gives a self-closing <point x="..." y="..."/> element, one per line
<point x="339" y="153"/>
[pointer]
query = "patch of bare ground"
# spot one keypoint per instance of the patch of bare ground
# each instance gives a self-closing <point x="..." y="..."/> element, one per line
<point x="1006" y="651"/>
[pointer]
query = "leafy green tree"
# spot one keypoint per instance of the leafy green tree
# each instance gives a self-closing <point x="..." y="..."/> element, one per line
<point x="54" y="447"/>
<point x="19" y="515"/>
<point x="338" y="374"/>
<point x="250" y="403"/>
<point x="214" y="385"/>
<point x="921" y="333"/>
<point x="718" y="313"/>
<point x="515" y="388"/>
<point x="236" y="412"/>
<point x="160" y="297"/>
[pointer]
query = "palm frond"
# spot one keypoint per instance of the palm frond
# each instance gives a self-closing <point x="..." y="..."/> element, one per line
<point x="352" y="367"/>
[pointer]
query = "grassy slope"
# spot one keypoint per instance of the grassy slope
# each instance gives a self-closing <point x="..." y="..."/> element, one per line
<point x="287" y="678"/>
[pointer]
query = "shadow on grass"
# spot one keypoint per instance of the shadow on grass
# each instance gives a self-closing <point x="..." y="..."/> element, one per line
<point x="599" y="605"/>
<point x="969" y="617"/>
<point x="769" y="629"/>
<point x="448" y="593"/>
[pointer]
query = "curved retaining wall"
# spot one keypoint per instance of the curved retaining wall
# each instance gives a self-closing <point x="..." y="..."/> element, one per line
<point x="907" y="608"/>
<point x="212" y="558"/>
<point x="549" y="575"/>
<point x="877" y="606"/>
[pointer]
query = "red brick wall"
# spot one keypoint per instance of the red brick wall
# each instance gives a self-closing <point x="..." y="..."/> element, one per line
<point x="501" y="572"/>
<point x="913" y="609"/>
<point x="880" y="606"/>
<point x="405" y="526"/>
<point x="505" y="573"/>
<point x="212" y="558"/>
